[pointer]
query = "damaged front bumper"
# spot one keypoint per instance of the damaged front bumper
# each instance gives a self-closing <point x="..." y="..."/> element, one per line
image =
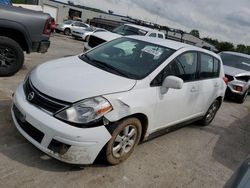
<point x="54" y="137"/>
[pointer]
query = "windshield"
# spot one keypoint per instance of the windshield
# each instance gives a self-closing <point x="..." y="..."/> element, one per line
<point x="130" y="58"/>
<point x="128" y="30"/>
<point x="236" y="61"/>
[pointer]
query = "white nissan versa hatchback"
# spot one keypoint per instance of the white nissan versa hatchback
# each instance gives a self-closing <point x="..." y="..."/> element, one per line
<point x="115" y="95"/>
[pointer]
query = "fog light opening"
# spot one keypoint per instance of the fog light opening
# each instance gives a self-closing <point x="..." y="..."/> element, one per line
<point x="58" y="147"/>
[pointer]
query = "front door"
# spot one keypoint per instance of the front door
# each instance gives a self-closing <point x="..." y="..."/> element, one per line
<point x="177" y="105"/>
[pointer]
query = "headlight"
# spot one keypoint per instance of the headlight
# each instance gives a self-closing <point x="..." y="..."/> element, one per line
<point x="86" y="111"/>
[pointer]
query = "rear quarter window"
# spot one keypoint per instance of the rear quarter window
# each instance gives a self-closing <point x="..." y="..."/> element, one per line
<point x="209" y="66"/>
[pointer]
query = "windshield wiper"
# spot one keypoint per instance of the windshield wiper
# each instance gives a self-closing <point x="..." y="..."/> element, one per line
<point x="104" y="66"/>
<point x="110" y="67"/>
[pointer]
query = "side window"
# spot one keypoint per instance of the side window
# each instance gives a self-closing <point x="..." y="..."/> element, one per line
<point x="184" y="67"/>
<point x="209" y="67"/>
<point x="152" y="35"/>
<point x="82" y="25"/>
<point x="160" y="36"/>
<point x="216" y="68"/>
<point x="76" y="24"/>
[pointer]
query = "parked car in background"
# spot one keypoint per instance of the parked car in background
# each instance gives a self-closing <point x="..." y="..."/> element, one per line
<point x="112" y="97"/>
<point x="77" y="33"/>
<point x="19" y="33"/>
<point x="237" y="70"/>
<point x="67" y="26"/>
<point x="86" y="35"/>
<point x="96" y="39"/>
<point x="5" y="2"/>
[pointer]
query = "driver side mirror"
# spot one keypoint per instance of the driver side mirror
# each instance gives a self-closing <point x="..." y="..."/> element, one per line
<point x="171" y="82"/>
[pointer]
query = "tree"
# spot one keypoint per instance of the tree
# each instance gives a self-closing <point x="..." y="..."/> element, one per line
<point x="225" y="46"/>
<point x="195" y="33"/>
<point x="18" y="1"/>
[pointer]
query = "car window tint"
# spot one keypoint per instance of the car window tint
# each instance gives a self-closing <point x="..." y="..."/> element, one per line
<point x="216" y="67"/>
<point x="160" y="36"/>
<point x="76" y="24"/>
<point x="134" y="58"/>
<point x="82" y="25"/>
<point x="207" y="68"/>
<point x="187" y="66"/>
<point x="152" y="35"/>
<point x="184" y="67"/>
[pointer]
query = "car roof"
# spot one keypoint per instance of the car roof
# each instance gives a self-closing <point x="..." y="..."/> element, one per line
<point x="236" y="53"/>
<point x="171" y="44"/>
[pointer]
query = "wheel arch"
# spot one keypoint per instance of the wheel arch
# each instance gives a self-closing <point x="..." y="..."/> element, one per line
<point x="17" y="33"/>
<point x="144" y="122"/>
<point x="220" y="99"/>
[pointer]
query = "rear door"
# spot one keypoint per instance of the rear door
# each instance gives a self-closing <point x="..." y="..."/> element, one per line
<point x="209" y="81"/>
<point x="177" y="105"/>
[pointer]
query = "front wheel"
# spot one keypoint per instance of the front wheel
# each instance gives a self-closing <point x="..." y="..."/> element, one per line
<point x="210" y="114"/>
<point x="125" y="136"/>
<point x="67" y="31"/>
<point x="241" y="99"/>
<point x="11" y="56"/>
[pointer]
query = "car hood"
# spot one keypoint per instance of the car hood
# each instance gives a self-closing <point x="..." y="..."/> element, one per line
<point x="106" y="35"/>
<point x="71" y="79"/>
<point x="235" y="72"/>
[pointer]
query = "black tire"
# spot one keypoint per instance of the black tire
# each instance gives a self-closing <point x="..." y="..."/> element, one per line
<point x="57" y="31"/>
<point x="210" y="114"/>
<point x="11" y="56"/>
<point x="241" y="99"/>
<point x="119" y="140"/>
<point x="67" y="31"/>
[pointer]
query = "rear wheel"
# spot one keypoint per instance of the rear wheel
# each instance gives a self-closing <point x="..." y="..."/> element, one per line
<point x="211" y="112"/>
<point x="125" y="136"/>
<point x="67" y="31"/>
<point x="11" y="56"/>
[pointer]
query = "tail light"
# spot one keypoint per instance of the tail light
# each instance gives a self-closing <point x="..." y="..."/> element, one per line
<point x="225" y="79"/>
<point x="47" y="27"/>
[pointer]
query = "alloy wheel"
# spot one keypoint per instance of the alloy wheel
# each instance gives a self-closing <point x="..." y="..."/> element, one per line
<point x="124" y="141"/>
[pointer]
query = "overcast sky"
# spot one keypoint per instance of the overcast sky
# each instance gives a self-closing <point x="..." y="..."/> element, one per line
<point x="227" y="20"/>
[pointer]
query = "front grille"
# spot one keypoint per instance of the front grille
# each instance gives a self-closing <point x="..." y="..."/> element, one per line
<point x="33" y="132"/>
<point x="41" y="100"/>
<point x="95" y="41"/>
<point x="230" y="78"/>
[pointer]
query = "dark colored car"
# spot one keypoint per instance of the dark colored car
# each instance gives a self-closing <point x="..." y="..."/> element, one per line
<point x="21" y="30"/>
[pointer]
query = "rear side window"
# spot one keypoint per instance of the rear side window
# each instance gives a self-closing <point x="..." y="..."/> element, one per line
<point x="82" y="25"/>
<point x="152" y="35"/>
<point x="184" y="67"/>
<point x="160" y="36"/>
<point x="209" y="66"/>
<point x="216" y="68"/>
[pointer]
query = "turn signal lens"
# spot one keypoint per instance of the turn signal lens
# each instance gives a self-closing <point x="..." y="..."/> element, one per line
<point x="238" y="88"/>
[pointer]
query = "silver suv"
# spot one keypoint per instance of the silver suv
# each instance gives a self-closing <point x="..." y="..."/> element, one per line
<point x="67" y="26"/>
<point x="237" y="71"/>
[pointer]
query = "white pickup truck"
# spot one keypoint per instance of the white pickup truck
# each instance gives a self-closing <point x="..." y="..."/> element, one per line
<point x="124" y="30"/>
